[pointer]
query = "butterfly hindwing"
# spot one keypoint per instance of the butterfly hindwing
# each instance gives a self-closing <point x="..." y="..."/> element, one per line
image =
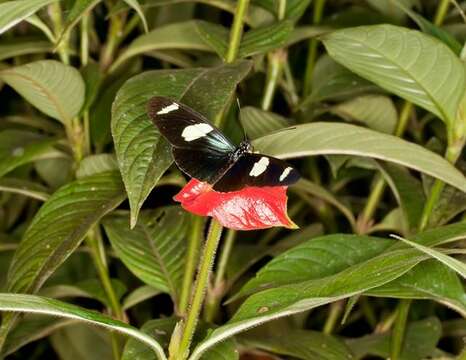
<point x="257" y="170"/>
<point x="185" y="128"/>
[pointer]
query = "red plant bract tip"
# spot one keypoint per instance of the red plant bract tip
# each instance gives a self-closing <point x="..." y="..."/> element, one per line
<point x="250" y="208"/>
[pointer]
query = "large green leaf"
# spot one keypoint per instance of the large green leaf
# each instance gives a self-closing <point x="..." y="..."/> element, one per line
<point x="41" y="305"/>
<point x="12" y="12"/>
<point x="419" y="343"/>
<point x="23" y="46"/>
<point x="142" y="154"/>
<point x="405" y="62"/>
<point x="18" y="147"/>
<point x="301" y="296"/>
<point x="428" y="280"/>
<point x="314" y="259"/>
<point x="57" y="230"/>
<point x="154" y="250"/>
<point x="343" y="139"/>
<point x="54" y="88"/>
<point x="183" y="35"/>
<point x="257" y="122"/>
<point x="298" y="343"/>
<point x="376" y="111"/>
<point x="449" y="261"/>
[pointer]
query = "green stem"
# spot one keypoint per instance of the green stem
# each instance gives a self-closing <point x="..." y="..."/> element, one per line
<point x="312" y="52"/>
<point x="290" y="85"/>
<point x="441" y="12"/>
<point x="85" y="39"/>
<point x="200" y="286"/>
<point x="87" y="133"/>
<point x="236" y="31"/>
<point x="462" y="356"/>
<point x="336" y="309"/>
<point x="57" y="21"/>
<point x="379" y="184"/>
<point x="281" y="11"/>
<point x="399" y="329"/>
<point x="94" y="242"/>
<point x="194" y="244"/>
<point x="274" y="70"/>
<point x="115" y="31"/>
<point x="215" y="294"/>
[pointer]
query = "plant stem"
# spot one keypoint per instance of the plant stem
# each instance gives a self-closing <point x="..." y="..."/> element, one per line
<point x="87" y="133"/>
<point x="57" y="21"/>
<point x="312" y="53"/>
<point x="441" y="12"/>
<point x="98" y="256"/>
<point x="379" y="184"/>
<point x="200" y="286"/>
<point x="274" y="70"/>
<point x="85" y="39"/>
<point x="215" y="294"/>
<point x="399" y="329"/>
<point x="115" y="31"/>
<point x="336" y="309"/>
<point x="236" y="31"/>
<point x="194" y="244"/>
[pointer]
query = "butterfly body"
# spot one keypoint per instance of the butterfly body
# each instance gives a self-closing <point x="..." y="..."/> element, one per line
<point x="203" y="152"/>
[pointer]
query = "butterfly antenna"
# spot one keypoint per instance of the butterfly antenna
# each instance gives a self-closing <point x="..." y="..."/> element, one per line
<point x="245" y="136"/>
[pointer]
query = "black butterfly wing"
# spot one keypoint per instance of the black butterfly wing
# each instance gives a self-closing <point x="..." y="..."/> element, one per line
<point x="198" y="147"/>
<point x="185" y="128"/>
<point x="257" y="170"/>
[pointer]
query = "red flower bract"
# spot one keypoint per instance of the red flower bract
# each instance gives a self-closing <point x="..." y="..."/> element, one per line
<point x="250" y="208"/>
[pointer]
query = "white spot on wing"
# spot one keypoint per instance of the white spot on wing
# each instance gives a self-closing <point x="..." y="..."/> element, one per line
<point x="285" y="173"/>
<point x="196" y="131"/>
<point x="168" y="109"/>
<point x="259" y="167"/>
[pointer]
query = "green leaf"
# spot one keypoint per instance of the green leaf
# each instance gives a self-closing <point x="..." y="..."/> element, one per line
<point x="13" y="12"/>
<point x="420" y="342"/>
<point x="56" y="172"/>
<point x="30" y="329"/>
<point x="96" y="164"/>
<point x="18" y="147"/>
<point x="154" y="250"/>
<point x="143" y="155"/>
<point x="264" y="39"/>
<point x="301" y="33"/>
<point x="316" y="258"/>
<point x="375" y="111"/>
<point x="139" y="295"/>
<point x="71" y="342"/>
<point x="41" y="305"/>
<point x="255" y="41"/>
<point x="137" y="7"/>
<point x="333" y="138"/>
<point x="300" y="344"/>
<point x="301" y="296"/>
<point x="183" y="35"/>
<point x="93" y="78"/>
<point x="79" y="9"/>
<point x="294" y="8"/>
<point x="407" y="63"/>
<point x="23" y="46"/>
<point x="427" y="280"/>
<point x="429" y="28"/>
<point x="57" y="230"/>
<point x="54" y="88"/>
<point x="408" y="192"/>
<point x="449" y="261"/>
<point x="24" y="187"/>
<point x="331" y="81"/>
<point x="257" y="122"/>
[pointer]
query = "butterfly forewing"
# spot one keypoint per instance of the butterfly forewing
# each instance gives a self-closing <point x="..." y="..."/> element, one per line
<point x="185" y="128"/>
<point x="257" y="170"/>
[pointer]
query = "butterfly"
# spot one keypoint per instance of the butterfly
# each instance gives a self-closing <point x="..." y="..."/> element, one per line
<point x="204" y="153"/>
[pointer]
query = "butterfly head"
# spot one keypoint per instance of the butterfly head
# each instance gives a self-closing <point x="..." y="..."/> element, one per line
<point x="245" y="147"/>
